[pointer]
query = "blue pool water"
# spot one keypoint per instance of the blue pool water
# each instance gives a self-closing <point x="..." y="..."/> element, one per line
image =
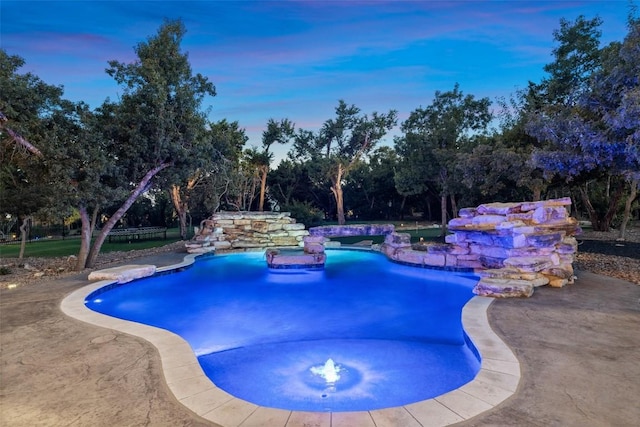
<point x="394" y="331"/>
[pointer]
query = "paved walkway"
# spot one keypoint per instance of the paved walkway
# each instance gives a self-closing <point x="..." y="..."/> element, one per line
<point x="579" y="349"/>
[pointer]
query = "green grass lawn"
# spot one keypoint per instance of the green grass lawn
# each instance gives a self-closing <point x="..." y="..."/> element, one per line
<point x="71" y="246"/>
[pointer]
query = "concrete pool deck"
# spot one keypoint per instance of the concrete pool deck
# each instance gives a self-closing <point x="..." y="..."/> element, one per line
<point x="578" y="347"/>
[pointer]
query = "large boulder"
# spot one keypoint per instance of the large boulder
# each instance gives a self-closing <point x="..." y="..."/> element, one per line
<point x="503" y="288"/>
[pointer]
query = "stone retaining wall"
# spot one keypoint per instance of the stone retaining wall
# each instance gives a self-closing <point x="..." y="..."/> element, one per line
<point x="247" y="230"/>
<point x="352" y="230"/>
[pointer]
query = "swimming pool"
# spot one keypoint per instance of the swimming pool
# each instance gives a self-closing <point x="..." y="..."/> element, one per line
<point x="394" y="332"/>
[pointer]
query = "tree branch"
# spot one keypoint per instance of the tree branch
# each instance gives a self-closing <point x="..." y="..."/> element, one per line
<point x="19" y="139"/>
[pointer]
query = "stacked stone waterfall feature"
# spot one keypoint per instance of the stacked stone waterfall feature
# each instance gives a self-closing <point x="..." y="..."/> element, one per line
<point x="247" y="231"/>
<point x="516" y="247"/>
<point x="513" y="247"/>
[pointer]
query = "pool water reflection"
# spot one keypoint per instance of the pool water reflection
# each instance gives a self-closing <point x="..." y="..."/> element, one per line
<point x="393" y="331"/>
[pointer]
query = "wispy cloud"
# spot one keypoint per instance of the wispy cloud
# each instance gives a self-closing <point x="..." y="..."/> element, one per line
<point x="295" y="59"/>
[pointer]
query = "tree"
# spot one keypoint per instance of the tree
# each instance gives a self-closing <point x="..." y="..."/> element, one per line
<point x="260" y="160"/>
<point x="409" y="177"/>
<point x="575" y="59"/>
<point x="229" y="138"/>
<point x="277" y="132"/>
<point x="491" y="170"/>
<point x="433" y="137"/>
<point x="157" y="124"/>
<point x="340" y="144"/>
<point x="370" y="188"/>
<point x="290" y="182"/>
<point x="589" y="125"/>
<point x="24" y="98"/>
<point x="217" y="189"/>
<point x="254" y="164"/>
<point x="220" y="181"/>
<point x="514" y="137"/>
<point x="33" y="116"/>
<point x="218" y="156"/>
<point x="17" y="138"/>
<point x="614" y="103"/>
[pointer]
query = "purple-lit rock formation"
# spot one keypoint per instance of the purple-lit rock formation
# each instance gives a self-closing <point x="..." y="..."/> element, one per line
<point x="514" y="247"/>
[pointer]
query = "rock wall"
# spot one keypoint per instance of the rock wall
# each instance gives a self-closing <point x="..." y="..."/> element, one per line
<point x="247" y="230"/>
<point x="352" y="230"/>
<point x="514" y="247"/>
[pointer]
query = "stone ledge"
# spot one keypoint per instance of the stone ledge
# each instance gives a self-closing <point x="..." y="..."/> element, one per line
<point x="352" y="230"/>
<point x="294" y="259"/>
<point x="124" y="273"/>
<point x="503" y="288"/>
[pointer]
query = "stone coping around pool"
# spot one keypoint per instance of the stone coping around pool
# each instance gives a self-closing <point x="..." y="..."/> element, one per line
<point x="496" y="381"/>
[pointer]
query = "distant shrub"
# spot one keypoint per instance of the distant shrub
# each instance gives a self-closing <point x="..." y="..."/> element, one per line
<point x="305" y="213"/>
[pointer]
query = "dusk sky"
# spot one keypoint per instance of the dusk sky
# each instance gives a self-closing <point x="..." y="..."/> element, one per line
<point x="296" y="59"/>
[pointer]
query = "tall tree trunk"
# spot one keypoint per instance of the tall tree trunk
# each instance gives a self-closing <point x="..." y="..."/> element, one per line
<point x="614" y="200"/>
<point x="23" y="236"/>
<point x="635" y="183"/>
<point x="444" y="179"/>
<point x="86" y="233"/>
<point x="181" y="209"/>
<point x="94" y="218"/>
<point x="264" y="171"/>
<point x="601" y="223"/>
<point x="286" y="196"/>
<point x="108" y="226"/>
<point x="537" y="193"/>
<point x="593" y="215"/>
<point x="574" y="212"/>
<point x="340" y="204"/>
<point x="454" y="205"/>
<point x="181" y="204"/>
<point x="336" y="189"/>
<point x="85" y="238"/>
<point x="443" y="212"/>
<point x="249" y="193"/>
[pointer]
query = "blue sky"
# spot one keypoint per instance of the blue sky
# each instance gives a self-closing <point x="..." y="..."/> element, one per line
<point x="296" y="59"/>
